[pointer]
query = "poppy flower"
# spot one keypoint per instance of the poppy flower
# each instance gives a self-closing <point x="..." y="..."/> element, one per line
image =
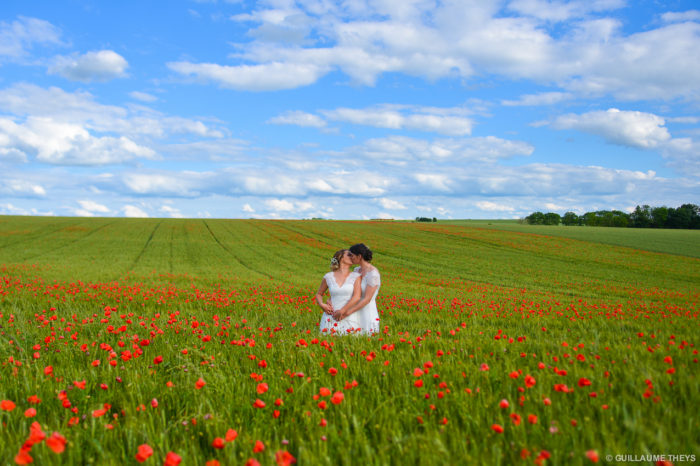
<point x="583" y="382"/>
<point x="337" y="398"/>
<point x="30" y="412"/>
<point x="218" y="443"/>
<point x="515" y="417"/>
<point x="258" y="403"/>
<point x="57" y="442"/>
<point x="284" y="458"/>
<point x="199" y="383"/>
<point x="143" y="453"/>
<point x="7" y="405"/>
<point x="172" y="459"/>
<point x="259" y="446"/>
<point x="231" y="435"/>
<point x="261" y="388"/>
<point x="503" y="404"/>
<point x="530" y="381"/>
<point x="497" y="428"/>
<point x="592" y="455"/>
<point x="532" y="419"/>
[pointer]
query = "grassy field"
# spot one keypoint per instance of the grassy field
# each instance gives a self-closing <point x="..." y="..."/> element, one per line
<point x="682" y="242"/>
<point x="197" y="341"/>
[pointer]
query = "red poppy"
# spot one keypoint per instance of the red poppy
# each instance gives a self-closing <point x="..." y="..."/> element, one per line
<point x="218" y="443"/>
<point x="258" y="403"/>
<point x="259" y="446"/>
<point x="503" y="404"/>
<point x="172" y="459"/>
<point x="284" y="458"/>
<point x="337" y="398"/>
<point x="231" y="435"/>
<point x="7" y="405"/>
<point x="261" y="388"/>
<point x="57" y="442"/>
<point x="199" y="383"/>
<point x="497" y="428"/>
<point x="515" y="417"/>
<point x="592" y="455"/>
<point x="144" y="452"/>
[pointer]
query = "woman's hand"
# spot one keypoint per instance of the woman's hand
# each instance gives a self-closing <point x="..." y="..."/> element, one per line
<point x="328" y="308"/>
<point x="339" y="315"/>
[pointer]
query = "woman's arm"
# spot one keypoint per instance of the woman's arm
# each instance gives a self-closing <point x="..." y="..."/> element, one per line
<point x="353" y="307"/>
<point x="356" y="293"/>
<point x="327" y="308"/>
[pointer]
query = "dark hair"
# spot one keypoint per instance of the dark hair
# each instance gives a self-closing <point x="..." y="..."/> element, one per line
<point x="361" y="250"/>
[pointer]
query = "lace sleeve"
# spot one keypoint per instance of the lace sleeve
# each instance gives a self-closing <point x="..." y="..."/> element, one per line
<point x="372" y="278"/>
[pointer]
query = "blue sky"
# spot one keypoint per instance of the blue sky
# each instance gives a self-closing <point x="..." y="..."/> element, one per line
<point x="349" y="110"/>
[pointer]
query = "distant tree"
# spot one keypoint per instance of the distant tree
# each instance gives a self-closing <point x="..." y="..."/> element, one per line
<point x="423" y="219"/>
<point x="550" y="218"/>
<point x="641" y="217"/>
<point x="570" y="218"/>
<point x="434" y="219"/>
<point x="685" y="216"/>
<point x="659" y="215"/>
<point x="535" y="218"/>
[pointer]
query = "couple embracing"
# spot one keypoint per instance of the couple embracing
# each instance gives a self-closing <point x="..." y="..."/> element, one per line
<point x="352" y="308"/>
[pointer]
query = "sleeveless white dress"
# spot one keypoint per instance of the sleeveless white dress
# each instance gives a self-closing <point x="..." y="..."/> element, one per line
<point x="340" y="295"/>
<point x="368" y="315"/>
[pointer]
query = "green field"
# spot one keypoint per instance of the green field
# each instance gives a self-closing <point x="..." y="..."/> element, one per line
<point x="589" y="334"/>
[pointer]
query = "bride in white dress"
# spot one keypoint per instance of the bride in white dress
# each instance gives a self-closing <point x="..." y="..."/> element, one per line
<point x="345" y="291"/>
<point x="363" y="311"/>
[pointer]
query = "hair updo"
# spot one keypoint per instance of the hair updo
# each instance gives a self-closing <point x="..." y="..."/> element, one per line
<point x="362" y="250"/>
<point x="335" y="261"/>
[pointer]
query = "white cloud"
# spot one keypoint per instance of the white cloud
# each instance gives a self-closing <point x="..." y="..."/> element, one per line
<point x="390" y="204"/>
<point x="171" y="211"/>
<point x="628" y="128"/>
<point x="264" y="77"/>
<point x="92" y="206"/>
<point x="295" y="45"/>
<point x="434" y="181"/>
<point x="143" y="96"/>
<point x="299" y="119"/>
<point x="102" y="65"/>
<point x="450" y="121"/>
<point x="133" y="211"/>
<point x="401" y="149"/>
<point x="19" y="36"/>
<point x="16" y="187"/>
<point x="681" y="16"/>
<point x="247" y="208"/>
<point x="491" y="206"/>
<point x="543" y="98"/>
<point x="556" y="10"/>
<point x="60" y="143"/>
<point x="280" y="205"/>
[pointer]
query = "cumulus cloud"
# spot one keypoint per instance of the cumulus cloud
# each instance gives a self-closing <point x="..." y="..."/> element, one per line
<point x="627" y="128"/>
<point x="143" y="96"/>
<point x="172" y="212"/>
<point x="491" y="206"/>
<point x="103" y="65"/>
<point x="401" y="149"/>
<point x="264" y="77"/>
<point x="543" y="98"/>
<point x="391" y="204"/>
<point x="19" y="36"/>
<point x="587" y="52"/>
<point x="133" y="211"/>
<point x="681" y="16"/>
<point x="59" y="143"/>
<point x="298" y="118"/>
<point x="93" y="206"/>
<point x="16" y="187"/>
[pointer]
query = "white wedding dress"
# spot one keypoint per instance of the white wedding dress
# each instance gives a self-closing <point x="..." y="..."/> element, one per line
<point x="368" y="315"/>
<point x="340" y="295"/>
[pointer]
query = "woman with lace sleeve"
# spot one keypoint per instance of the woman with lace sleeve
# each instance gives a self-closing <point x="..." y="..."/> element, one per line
<point x="344" y="288"/>
<point x="364" y="311"/>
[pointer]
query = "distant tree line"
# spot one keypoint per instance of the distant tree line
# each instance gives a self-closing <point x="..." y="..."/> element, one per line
<point x="686" y="216"/>
<point x="426" y="219"/>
